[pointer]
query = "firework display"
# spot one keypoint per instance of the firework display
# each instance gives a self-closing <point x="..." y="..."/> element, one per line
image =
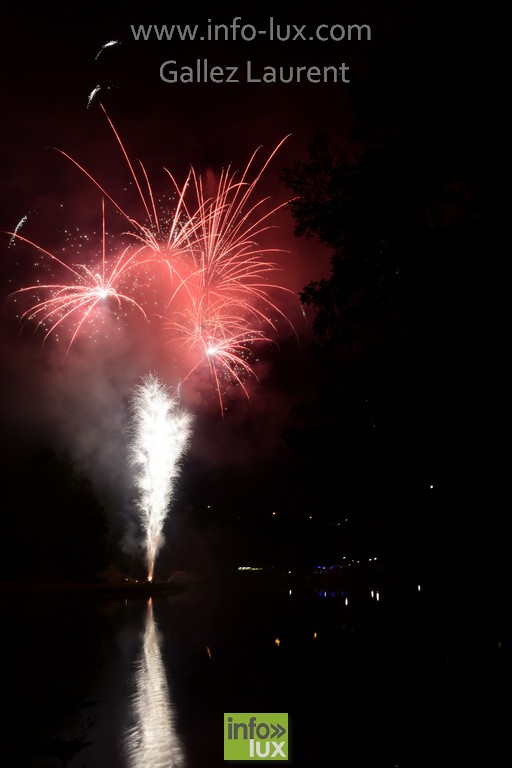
<point x="88" y="291"/>
<point x="193" y="265"/>
<point x="216" y="298"/>
<point x="160" y="433"/>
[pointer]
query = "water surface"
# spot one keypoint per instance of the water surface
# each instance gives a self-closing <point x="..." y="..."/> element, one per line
<point x="371" y="672"/>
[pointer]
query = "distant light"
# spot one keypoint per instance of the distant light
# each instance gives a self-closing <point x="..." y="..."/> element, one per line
<point x="346" y="601"/>
<point x="431" y="486"/>
<point x="277" y="642"/>
<point x="311" y="517"/>
<point x="290" y="592"/>
<point x="372" y="594"/>
<point x="377" y="596"/>
<point x="273" y="513"/>
<point x="208" y="651"/>
<point x="315" y="635"/>
<point x="419" y="587"/>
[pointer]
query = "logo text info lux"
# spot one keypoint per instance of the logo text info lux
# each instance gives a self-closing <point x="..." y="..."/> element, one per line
<point x="261" y="736"/>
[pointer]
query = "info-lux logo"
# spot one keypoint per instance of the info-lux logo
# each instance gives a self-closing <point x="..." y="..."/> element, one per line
<point x="255" y="736"/>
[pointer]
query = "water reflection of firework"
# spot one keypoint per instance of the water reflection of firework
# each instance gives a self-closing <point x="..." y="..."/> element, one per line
<point x="151" y="740"/>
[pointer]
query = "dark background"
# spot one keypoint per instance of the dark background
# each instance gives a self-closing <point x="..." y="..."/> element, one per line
<point x="384" y="428"/>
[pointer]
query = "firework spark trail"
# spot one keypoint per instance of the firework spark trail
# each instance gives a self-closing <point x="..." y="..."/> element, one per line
<point x="212" y="333"/>
<point x="92" y="94"/>
<point x="220" y="294"/>
<point x="107" y="45"/>
<point x="160" y="433"/>
<point x="72" y="304"/>
<point x="218" y="233"/>
<point x="164" y="239"/>
<point x="17" y="228"/>
<point x="216" y="267"/>
<point x="219" y="302"/>
<point x="224" y="283"/>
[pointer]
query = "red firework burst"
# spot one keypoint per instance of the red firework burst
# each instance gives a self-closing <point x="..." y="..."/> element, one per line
<point x="220" y="293"/>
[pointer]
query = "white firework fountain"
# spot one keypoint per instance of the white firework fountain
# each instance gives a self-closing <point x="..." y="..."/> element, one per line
<point x="160" y="433"/>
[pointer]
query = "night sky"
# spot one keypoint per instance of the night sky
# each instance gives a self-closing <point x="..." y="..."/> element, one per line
<point x="385" y="429"/>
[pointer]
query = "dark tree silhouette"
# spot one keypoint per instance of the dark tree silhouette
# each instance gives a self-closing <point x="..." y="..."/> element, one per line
<point x="411" y="327"/>
<point x="56" y="527"/>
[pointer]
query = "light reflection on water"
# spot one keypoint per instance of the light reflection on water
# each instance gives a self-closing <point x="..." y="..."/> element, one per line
<point x="150" y="739"/>
<point x="377" y="651"/>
